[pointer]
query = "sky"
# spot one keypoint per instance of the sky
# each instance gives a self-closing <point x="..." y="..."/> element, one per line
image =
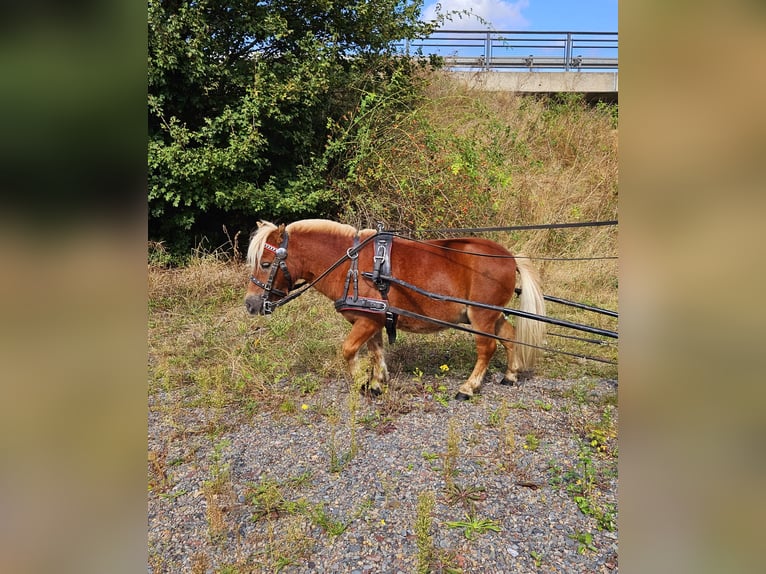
<point x="535" y="15"/>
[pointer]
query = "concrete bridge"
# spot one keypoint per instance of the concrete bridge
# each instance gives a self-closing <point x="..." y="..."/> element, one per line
<point x="528" y="62"/>
<point x="600" y="86"/>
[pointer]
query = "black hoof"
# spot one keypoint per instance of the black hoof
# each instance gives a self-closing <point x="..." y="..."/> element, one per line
<point x="507" y="381"/>
<point x="367" y="390"/>
<point x="462" y="397"/>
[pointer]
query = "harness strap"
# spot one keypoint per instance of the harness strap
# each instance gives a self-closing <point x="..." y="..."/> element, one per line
<point x="391" y="319"/>
<point x="382" y="261"/>
<point x="352" y="274"/>
<point x="381" y="270"/>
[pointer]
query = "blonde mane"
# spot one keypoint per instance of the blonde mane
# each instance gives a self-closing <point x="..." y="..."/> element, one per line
<point x="323" y="226"/>
<point x="258" y="242"/>
<point x="265" y="228"/>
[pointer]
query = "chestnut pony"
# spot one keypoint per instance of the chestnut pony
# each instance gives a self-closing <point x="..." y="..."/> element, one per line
<point x="469" y="268"/>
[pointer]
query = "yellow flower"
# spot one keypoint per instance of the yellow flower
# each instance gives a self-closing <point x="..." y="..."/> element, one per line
<point x="444" y="368"/>
<point x="305" y="407"/>
<point x="382" y="522"/>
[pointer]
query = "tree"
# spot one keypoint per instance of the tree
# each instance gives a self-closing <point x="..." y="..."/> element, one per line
<point x="241" y="94"/>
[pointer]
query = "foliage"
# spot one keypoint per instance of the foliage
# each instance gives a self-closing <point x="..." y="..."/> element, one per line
<point x="240" y="96"/>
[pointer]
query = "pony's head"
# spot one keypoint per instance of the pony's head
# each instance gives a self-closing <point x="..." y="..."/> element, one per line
<point x="270" y="278"/>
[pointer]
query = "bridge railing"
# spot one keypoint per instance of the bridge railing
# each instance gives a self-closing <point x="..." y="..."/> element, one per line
<point x="533" y="51"/>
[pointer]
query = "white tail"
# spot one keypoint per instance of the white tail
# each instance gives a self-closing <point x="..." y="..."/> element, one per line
<point x="529" y="331"/>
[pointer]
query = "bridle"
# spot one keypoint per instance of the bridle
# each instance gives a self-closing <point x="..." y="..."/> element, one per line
<point x="280" y="254"/>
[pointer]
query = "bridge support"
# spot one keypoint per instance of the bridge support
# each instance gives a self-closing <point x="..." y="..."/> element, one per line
<point x="594" y="84"/>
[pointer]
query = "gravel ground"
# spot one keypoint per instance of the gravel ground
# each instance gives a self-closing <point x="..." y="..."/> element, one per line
<point x="261" y="496"/>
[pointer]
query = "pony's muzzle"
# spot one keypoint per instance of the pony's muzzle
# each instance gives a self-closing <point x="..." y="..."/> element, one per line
<point x="254" y="304"/>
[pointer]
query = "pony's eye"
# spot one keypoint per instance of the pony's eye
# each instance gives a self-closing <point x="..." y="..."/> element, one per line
<point x="265" y="264"/>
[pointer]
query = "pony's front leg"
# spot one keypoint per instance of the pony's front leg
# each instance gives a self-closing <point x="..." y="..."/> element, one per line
<point x="379" y="375"/>
<point x="364" y="331"/>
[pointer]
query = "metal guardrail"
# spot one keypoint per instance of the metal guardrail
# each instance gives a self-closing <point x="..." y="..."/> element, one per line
<point x="496" y="50"/>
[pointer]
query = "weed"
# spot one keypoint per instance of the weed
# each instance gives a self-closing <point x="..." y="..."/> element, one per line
<point x="200" y="563"/>
<point x="543" y="405"/>
<point x="338" y="459"/>
<point x="268" y="497"/>
<point x="431" y="457"/>
<point x="600" y="434"/>
<point x="320" y="517"/>
<point x="581" y="483"/>
<point x="353" y="410"/>
<point x="508" y="445"/>
<point x="171" y="496"/>
<point x="307" y="384"/>
<point x="290" y="548"/>
<point x="449" y="468"/>
<point x="440" y="394"/>
<point x="606" y="519"/>
<point x="537" y="557"/>
<point x="507" y="435"/>
<point x="216" y="510"/>
<point x="584" y="542"/>
<point x="218" y="491"/>
<point x="495" y="418"/>
<point x="531" y="442"/>
<point x="473" y="525"/>
<point x="301" y="479"/>
<point x="159" y="479"/>
<point x="423" y="521"/>
<point x="468" y="496"/>
<point x="556" y="474"/>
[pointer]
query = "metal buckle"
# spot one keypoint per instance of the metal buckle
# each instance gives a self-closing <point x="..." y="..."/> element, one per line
<point x="268" y="307"/>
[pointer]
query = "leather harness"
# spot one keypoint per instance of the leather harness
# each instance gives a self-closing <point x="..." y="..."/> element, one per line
<point x="381" y="271"/>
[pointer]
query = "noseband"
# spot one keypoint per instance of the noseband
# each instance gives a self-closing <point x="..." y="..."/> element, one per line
<point x="280" y="254"/>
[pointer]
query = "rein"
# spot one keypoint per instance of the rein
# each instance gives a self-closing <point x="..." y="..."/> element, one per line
<point x="504" y="310"/>
<point x="459" y="327"/>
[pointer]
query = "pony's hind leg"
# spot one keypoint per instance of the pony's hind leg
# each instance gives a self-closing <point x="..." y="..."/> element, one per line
<point x="364" y="331"/>
<point x="485" y="348"/>
<point x="504" y="329"/>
